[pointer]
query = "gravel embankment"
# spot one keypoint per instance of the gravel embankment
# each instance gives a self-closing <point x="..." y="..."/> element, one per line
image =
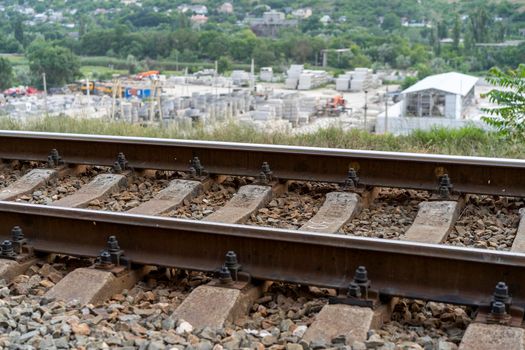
<point x="62" y="187"/>
<point x="139" y="189"/>
<point x="294" y="208"/>
<point x="389" y="216"/>
<point x="208" y="202"/>
<point x="487" y="222"/>
<point x="142" y="318"/>
<point x="15" y="170"/>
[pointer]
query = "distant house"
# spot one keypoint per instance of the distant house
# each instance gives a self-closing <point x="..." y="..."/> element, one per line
<point x="302" y="13"/>
<point x="443" y="95"/>
<point x="226" y="7"/>
<point x="195" y="9"/>
<point x="325" y="19"/>
<point x="198" y="20"/>
<point x="270" y="23"/>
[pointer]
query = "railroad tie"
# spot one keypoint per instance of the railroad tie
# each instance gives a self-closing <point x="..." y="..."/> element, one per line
<point x="337" y="209"/>
<point x="480" y="336"/>
<point x="92" y="286"/>
<point x="99" y="187"/>
<point x="210" y="306"/>
<point x="169" y="198"/>
<point x="246" y="201"/>
<point x="27" y="183"/>
<point x="518" y="246"/>
<point x="434" y="221"/>
<point x="9" y="269"/>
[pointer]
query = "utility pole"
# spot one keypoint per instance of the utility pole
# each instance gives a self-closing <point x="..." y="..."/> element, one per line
<point x="386" y="110"/>
<point x="366" y="107"/>
<point x="45" y="91"/>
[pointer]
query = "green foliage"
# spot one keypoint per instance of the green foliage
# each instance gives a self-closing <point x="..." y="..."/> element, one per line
<point x="224" y="64"/>
<point x="6" y="73"/>
<point x="60" y="64"/>
<point x="469" y="141"/>
<point x="509" y="116"/>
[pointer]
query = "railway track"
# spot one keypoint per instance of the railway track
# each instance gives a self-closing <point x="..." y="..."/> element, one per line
<point x="241" y="215"/>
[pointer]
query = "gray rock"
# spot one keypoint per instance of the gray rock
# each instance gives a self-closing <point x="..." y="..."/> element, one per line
<point x="357" y="345"/>
<point x="62" y="343"/>
<point x="290" y="346"/>
<point x="25" y="337"/>
<point x="286" y="324"/>
<point x="168" y="323"/>
<point x="374" y="341"/>
<point x="204" y="345"/>
<point x="269" y="340"/>
<point x="208" y="333"/>
<point x="156" y="345"/>
<point x="445" y="345"/>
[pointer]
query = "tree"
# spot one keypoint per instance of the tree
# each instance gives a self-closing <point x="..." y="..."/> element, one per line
<point x="509" y="116"/>
<point x="18" y="29"/>
<point x="6" y="73"/>
<point x="60" y="65"/>
<point x="391" y="21"/>
<point x="224" y="64"/>
<point x="456" y="32"/>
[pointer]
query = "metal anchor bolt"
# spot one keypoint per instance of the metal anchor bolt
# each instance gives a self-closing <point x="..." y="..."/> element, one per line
<point x="498" y="308"/>
<point x="445" y="186"/>
<point x="7" y="248"/>
<point x="105" y="258"/>
<point x="17" y="234"/>
<point x="196" y="164"/>
<point x="225" y="276"/>
<point x="265" y="169"/>
<point x="113" y="244"/>
<point x="361" y="275"/>
<point x="121" y="159"/>
<point x="231" y="259"/>
<point x="501" y="292"/>
<point x="354" y="290"/>
<point x="352" y="179"/>
<point x="262" y="179"/>
<point x="116" y="167"/>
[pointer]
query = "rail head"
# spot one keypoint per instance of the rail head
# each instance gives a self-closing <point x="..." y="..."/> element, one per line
<point x="476" y="175"/>
<point x="432" y="272"/>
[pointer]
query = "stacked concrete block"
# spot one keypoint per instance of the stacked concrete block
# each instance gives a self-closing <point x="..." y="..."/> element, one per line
<point x="310" y="79"/>
<point x="266" y="74"/>
<point x="357" y="80"/>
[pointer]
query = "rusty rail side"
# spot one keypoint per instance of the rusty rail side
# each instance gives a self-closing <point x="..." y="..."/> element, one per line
<point x="388" y="169"/>
<point x="431" y="272"/>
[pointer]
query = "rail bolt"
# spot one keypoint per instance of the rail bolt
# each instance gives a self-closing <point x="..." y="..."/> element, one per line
<point x="354" y="290"/>
<point x="105" y="258"/>
<point x="116" y="167"/>
<point x="265" y="168"/>
<point x="501" y="292"/>
<point x="352" y="179"/>
<point x="231" y="259"/>
<point x="225" y="276"/>
<point x="7" y="248"/>
<point x="121" y="159"/>
<point x="445" y="186"/>
<point x="17" y="234"/>
<point x="113" y="244"/>
<point x="361" y="275"/>
<point x="498" y="308"/>
<point x="262" y="179"/>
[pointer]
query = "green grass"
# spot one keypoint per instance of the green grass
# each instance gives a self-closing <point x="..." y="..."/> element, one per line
<point x="90" y="71"/>
<point x="468" y="141"/>
<point x="15" y="59"/>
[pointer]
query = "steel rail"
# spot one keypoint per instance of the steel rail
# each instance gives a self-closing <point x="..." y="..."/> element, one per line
<point x="387" y="169"/>
<point x="430" y="272"/>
